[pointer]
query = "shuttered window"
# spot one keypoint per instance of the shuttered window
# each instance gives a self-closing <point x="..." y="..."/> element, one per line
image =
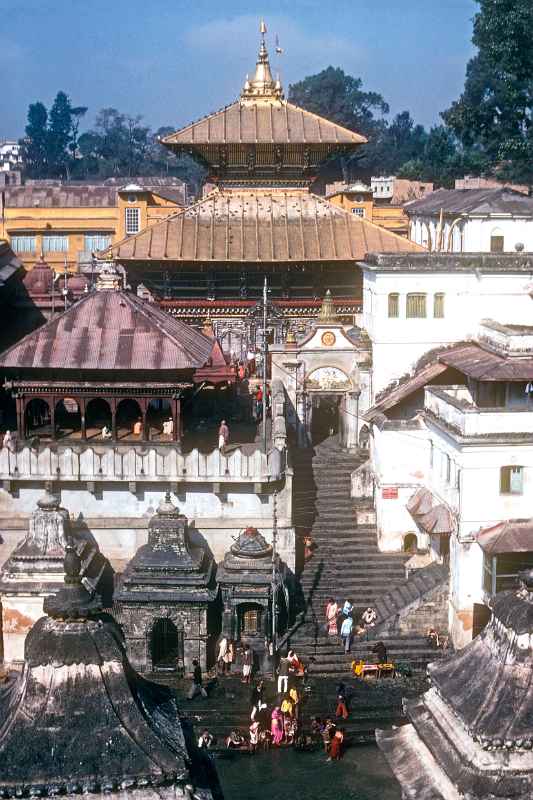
<point x="394" y="305"/>
<point x="416" y="306"/>
<point x="53" y="243"/>
<point x="511" y="480"/>
<point x="438" y="305"/>
<point x="96" y="241"/>
<point x="23" y="244"/>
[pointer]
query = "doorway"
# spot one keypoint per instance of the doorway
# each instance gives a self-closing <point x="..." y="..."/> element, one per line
<point x="166" y="646"/>
<point x="325" y="417"/>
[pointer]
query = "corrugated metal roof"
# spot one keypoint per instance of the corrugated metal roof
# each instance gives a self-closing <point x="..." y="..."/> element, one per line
<point x="44" y="194"/>
<point x="483" y="365"/>
<point x="473" y="201"/>
<point x="263" y="122"/>
<point x="512" y="536"/>
<point x="110" y="330"/>
<point x="261" y="225"/>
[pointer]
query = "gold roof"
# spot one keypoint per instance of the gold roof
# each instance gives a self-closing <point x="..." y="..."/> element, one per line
<point x="261" y="225"/>
<point x="263" y="116"/>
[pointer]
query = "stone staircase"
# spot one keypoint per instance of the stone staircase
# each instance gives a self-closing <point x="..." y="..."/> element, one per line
<point x="347" y="563"/>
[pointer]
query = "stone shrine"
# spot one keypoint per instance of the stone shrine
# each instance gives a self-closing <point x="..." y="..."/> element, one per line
<point x="78" y="720"/>
<point x="471" y="734"/>
<point x="165" y="596"/>
<point x="245" y="578"/>
<point x="34" y="570"/>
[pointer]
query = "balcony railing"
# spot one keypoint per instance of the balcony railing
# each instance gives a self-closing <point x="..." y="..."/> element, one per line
<point x="137" y="463"/>
<point x="453" y="406"/>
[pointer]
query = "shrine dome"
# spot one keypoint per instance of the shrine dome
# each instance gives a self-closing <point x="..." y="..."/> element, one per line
<point x="251" y="544"/>
<point x="40" y="279"/>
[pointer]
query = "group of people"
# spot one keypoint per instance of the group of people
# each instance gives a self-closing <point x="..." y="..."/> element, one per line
<point x="334" y="615"/>
<point x="226" y="656"/>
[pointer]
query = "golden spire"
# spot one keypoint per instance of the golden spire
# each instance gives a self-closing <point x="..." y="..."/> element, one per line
<point x="327" y="312"/>
<point x="262" y="85"/>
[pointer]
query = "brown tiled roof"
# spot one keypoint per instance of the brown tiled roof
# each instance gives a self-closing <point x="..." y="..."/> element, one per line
<point x="512" y="536"/>
<point x="483" y="365"/>
<point x="261" y="225"/>
<point x="44" y="194"/>
<point x="263" y="122"/>
<point x="9" y="263"/>
<point x="111" y="330"/>
<point x="473" y="201"/>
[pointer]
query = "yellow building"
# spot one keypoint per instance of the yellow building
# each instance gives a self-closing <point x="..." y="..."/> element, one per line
<point x="66" y="222"/>
<point x="359" y="200"/>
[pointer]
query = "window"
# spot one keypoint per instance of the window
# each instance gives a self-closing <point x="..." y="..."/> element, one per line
<point x="23" y="244"/>
<point x="511" y="480"/>
<point x="496" y="244"/>
<point x="55" y="243"/>
<point x="438" y="305"/>
<point x="251" y="621"/>
<point x="394" y="305"/>
<point x="96" y="241"/>
<point x="359" y="212"/>
<point x="416" y="306"/>
<point x="133" y="220"/>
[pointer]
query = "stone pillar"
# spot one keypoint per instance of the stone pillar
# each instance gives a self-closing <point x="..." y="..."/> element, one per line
<point x="113" y="404"/>
<point x="82" y="403"/>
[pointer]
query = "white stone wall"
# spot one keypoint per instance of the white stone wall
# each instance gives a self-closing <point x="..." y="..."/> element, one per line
<point x="398" y="343"/>
<point x="400" y="460"/>
<point x="471" y="235"/>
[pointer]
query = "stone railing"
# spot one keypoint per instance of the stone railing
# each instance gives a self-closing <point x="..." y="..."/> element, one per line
<point x="450" y="404"/>
<point x="137" y="463"/>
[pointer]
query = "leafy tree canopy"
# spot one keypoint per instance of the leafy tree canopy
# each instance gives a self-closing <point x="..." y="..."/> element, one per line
<point x="495" y="111"/>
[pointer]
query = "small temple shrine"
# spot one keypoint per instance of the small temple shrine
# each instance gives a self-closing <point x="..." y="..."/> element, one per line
<point x="34" y="570"/>
<point x="246" y="584"/>
<point x="79" y="721"/>
<point x="166" y="595"/>
<point x="260" y="220"/>
<point x="470" y="736"/>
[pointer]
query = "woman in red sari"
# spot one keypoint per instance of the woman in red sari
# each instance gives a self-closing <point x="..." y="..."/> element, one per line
<point x="335" y="748"/>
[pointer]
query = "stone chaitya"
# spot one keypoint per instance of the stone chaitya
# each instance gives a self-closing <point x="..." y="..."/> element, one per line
<point x="245" y="580"/>
<point x="166" y="594"/>
<point x="471" y="734"/>
<point x="79" y="720"/>
<point x="34" y="570"/>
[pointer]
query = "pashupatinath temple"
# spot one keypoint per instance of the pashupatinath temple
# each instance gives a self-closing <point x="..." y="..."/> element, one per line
<point x="260" y="220"/>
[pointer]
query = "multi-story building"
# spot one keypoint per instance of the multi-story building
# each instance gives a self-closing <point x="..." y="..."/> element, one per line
<point x="451" y="458"/>
<point x="10" y="155"/>
<point x="359" y="199"/>
<point x="68" y="222"/>
<point x="390" y="189"/>
<point x="473" y="221"/>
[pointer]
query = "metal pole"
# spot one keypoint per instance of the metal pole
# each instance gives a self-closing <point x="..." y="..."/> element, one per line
<point x="274" y="568"/>
<point x="265" y="350"/>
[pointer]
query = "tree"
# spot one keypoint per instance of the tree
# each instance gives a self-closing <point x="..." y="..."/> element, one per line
<point x="35" y="144"/>
<point x="495" y="111"/>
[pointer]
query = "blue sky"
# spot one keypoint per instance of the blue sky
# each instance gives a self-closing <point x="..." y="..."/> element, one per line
<point x="173" y="61"/>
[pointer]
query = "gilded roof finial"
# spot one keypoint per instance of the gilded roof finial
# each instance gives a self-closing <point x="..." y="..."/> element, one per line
<point x="327" y="312"/>
<point x="262" y="85"/>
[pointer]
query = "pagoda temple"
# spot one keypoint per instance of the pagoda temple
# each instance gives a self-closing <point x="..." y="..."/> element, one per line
<point x="260" y="220"/>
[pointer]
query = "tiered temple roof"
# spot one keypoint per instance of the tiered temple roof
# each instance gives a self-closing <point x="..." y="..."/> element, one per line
<point x="261" y="226"/>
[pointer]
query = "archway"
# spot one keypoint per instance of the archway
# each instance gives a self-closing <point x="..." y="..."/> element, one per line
<point x="129" y="420"/>
<point x="166" y="645"/>
<point x="37" y="418"/>
<point x="97" y="416"/>
<point x="67" y="417"/>
<point x="325" y="417"/>
<point x="410" y="543"/>
<point x="159" y="420"/>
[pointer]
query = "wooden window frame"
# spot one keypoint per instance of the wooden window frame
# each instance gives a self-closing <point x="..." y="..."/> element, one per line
<point x="416" y="305"/>
<point x="506" y="479"/>
<point x="438" y="305"/>
<point x="393" y="297"/>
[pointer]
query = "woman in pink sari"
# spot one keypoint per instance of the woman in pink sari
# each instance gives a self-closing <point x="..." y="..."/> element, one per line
<point x="332" y="612"/>
<point x="276" y="726"/>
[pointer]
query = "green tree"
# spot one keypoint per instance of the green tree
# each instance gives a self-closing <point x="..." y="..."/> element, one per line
<point x="35" y="143"/>
<point x="495" y="111"/>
